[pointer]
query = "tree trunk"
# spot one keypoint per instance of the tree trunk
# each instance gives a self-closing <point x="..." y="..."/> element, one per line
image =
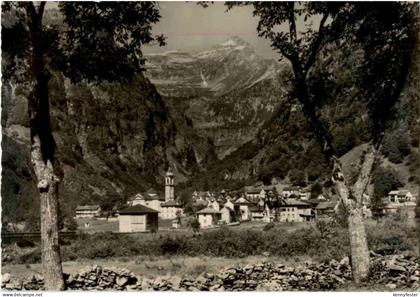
<point x="50" y="248"/>
<point x="358" y="245"/>
<point x="416" y="77"/>
<point x="42" y="154"/>
<point x="359" y="250"/>
<point x="350" y="198"/>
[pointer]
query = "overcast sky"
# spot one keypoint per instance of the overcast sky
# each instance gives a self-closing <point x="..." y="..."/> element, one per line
<point x="190" y="27"/>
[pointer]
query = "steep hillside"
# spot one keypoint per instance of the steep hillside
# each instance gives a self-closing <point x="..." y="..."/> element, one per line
<point x="285" y="148"/>
<point x="113" y="140"/>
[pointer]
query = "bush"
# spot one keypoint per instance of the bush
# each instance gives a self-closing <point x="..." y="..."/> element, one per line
<point x="269" y="226"/>
<point x="171" y="246"/>
<point x="391" y="233"/>
<point x="71" y="224"/>
<point x="24" y="243"/>
<point x="31" y="257"/>
<point x="195" y="225"/>
<point x="324" y="241"/>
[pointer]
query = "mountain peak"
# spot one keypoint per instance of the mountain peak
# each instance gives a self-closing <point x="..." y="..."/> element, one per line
<point x="235" y="41"/>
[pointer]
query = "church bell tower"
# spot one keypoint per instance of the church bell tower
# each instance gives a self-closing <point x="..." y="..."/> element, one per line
<point x="169" y="185"/>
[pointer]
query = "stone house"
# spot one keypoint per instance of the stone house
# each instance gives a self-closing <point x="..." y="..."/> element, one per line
<point x="214" y="204"/>
<point x="291" y="192"/>
<point x="87" y="211"/>
<point x="399" y="202"/>
<point x="136" y="200"/>
<point x="150" y="199"/>
<point x="243" y="205"/>
<point x="257" y="212"/>
<point x="399" y="196"/>
<point x="304" y="195"/>
<point x="138" y="218"/>
<point x="200" y="203"/>
<point x="252" y="193"/>
<point x="227" y="215"/>
<point x="170" y="209"/>
<point x="296" y="211"/>
<point x="229" y="204"/>
<point x="208" y="217"/>
<point x="325" y="209"/>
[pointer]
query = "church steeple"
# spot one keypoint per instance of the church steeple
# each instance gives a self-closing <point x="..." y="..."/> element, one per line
<point x="169" y="185"/>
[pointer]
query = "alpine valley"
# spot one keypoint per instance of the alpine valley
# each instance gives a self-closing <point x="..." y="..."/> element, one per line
<point x="221" y="118"/>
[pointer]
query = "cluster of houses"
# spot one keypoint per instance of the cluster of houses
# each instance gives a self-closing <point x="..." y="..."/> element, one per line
<point x="263" y="203"/>
<point x="397" y="201"/>
<point x="252" y="203"/>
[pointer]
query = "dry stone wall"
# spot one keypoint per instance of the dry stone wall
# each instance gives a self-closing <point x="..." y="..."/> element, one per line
<point x="391" y="272"/>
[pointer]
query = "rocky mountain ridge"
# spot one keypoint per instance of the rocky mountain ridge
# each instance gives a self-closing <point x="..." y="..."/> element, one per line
<point x="228" y="91"/>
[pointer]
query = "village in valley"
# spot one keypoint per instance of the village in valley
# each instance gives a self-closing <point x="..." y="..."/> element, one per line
<point x="210" y="146"/>
<point x="154" y="210"/>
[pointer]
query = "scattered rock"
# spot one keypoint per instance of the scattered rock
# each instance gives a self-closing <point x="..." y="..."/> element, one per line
<point x="391" y="286"/>
<point x="392" y="271"/>
<point x="396" y="269"/>
<point x="5" y="278"/>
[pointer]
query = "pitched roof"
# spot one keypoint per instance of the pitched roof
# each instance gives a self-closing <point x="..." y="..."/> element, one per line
<point x="254" y="191"/>
<point x="208" y="210"/>
<point x="88" y="207"/>
<point x="137" y="209"/>
<point x="316" y="201"/>
<point x="291" y="188"/>
<point x="250" y="188"/>
<point x="171" y="203"/>
<point x="295" y="202"/>
<point x="255" y="208"/>
<point x="242" y="200"/>
<point x="399" y="192"/>
<point x="201" y="202"/>
<point x="327" y="204"/>
<point x="147" y="197"/>
<point x="269" y="188"/>
<point x="227" y="208"/>
<point x="137" y="196"/>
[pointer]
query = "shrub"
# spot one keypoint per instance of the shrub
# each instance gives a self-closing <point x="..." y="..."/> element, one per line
<point x="391" y="233"/>
<point x="71" y="224"/>
<point x="322" y="241"/>
<point x="195" y="225"/>
<point x="31" y="257"/>
<point x="24" y="243"/>
<point x="269" y="226"/>
<point x="171" y="246"/>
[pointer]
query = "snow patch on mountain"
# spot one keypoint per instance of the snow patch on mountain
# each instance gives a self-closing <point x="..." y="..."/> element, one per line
<point x="204" y="83"/>
<point x="229" y="42"/>
<point x="240" y="47"/>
